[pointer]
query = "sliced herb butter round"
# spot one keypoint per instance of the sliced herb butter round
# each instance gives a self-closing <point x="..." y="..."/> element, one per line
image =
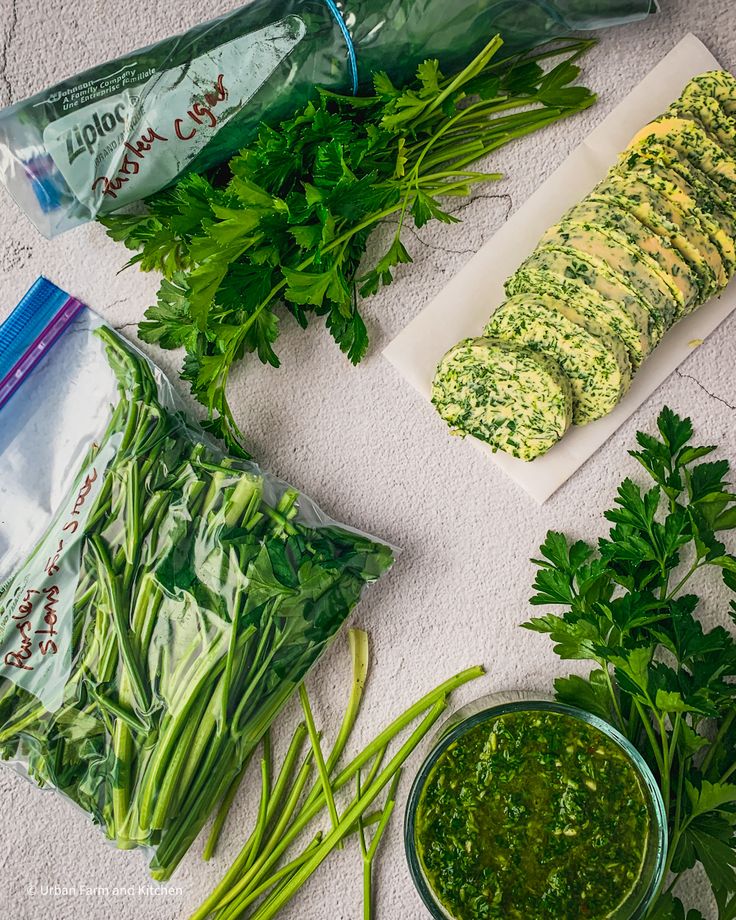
<point x="596" y="364"/>
<point x="696" y="198"/>
<point x="693" y="143"/>
<point x="599" y="267"/>
<point x="639" y="269"/>
<point x="584" y="304"/>
<point x="665" y="218"/>
<point x="714" y="196"/>
<point x="700" y="105"/>
<point x="703" y="214"/>
<point x="573" y="266"/>
<point x="721" y="84"/>
<point x="513" y="398"/>
<point x="625" y="229"/>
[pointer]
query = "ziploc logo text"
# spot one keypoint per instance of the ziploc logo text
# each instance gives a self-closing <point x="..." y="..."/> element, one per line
<point x="87" y="137"/>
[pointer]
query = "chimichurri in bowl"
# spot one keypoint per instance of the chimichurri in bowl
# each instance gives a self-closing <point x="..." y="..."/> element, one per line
<point x="532" y="810"/>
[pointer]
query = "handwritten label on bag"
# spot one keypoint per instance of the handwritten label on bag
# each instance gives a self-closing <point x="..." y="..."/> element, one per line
<point x="37" y="608"/>
<point x="123" y="147"/>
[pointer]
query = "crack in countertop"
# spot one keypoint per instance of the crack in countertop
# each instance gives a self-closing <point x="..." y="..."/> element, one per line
<point x="434" y="246"/>
<point x="466" y="204"/>
<point x="8" y="39"/>
<point x="715" y="396"/>
<point x="116" y="303"/>
<point x="503" y="197"/>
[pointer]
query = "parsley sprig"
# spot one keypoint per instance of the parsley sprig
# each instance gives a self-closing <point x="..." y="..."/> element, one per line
<point x="286" y="223"/>
<point x="660" y="677"/>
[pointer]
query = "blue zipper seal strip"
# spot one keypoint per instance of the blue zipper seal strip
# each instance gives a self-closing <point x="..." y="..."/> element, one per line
<point x="31" y="330"/>
<point x="352" y="57"/>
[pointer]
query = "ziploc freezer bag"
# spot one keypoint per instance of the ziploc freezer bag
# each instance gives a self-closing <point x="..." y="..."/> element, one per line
<point x="117" y="133"/>
<point x="159" y="601"/>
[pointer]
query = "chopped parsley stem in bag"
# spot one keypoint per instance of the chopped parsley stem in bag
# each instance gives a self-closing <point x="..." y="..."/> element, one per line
<point x="287" y="221"/>
<point x="206" y="592"/>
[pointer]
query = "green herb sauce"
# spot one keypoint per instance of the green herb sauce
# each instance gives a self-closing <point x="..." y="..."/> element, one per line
<point x="533" y="815"/>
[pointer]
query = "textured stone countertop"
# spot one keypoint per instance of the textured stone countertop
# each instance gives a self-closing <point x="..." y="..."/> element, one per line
<point x="362" y="443"/>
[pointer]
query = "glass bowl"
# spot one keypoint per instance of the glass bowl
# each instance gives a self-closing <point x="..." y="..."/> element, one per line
<point x="490" y="707"/>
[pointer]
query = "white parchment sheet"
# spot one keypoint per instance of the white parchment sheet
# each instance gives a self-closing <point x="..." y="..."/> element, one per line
<point x="463" y="307"/>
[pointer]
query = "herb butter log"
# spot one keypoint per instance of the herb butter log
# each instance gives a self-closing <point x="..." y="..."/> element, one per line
<point x="649" y="245"/>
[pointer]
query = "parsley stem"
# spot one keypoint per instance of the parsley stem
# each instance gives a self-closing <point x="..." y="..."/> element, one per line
<point x="259" y="863"/>
<point x="360" y="656"/>
<point x="676" y="829"/>
<point x="453" y="174"/>
<point x="652" y="739"/>
<point x="666" y="766"/>
<point x="681" y="584"/>
<point x="251" y="869"/>
<point x="717" y="741"/>
<point x="318" y="757"/>
<point x="275" y="904"/>
<point x="475" y="67"/>
<point x="223" y="812"/>
<point x="613" y="695"/>
<point x="675" y="739"/>
<point x="358" y="641"/>
<point x="262" y="820"/>
<point x="368" y="852"/>
<point x="284" y="873"/>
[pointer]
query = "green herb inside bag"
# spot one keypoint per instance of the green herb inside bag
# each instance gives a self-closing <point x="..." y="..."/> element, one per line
<point x="203" y="599"/>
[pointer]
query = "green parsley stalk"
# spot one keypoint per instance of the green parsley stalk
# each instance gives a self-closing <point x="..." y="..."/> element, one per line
<point x="266" y="875"/>
<point x="285" y="225"/>
<point x="368" y="851"/>
<point x="360" y="804"/>
<point x="661" y="678"/>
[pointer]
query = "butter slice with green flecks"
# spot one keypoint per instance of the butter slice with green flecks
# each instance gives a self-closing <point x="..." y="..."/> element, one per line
<point x="711" y="196"/>
<point x="512" y="398"/>
<point x="693" y="142"/>
<point x="639" y="269"/>
<point x="625" y="229"/>
<point x="696" y="103"/>
<point x="584" y="305"/>
<point x="702" y="213"/>
<point x="721" y="85"/>
<point x="665" y="218"/>
<point x="572" y="265"/>
<point x="596" y="365"/>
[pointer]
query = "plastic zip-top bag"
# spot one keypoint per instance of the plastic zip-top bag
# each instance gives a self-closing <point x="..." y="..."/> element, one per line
<point x="119" y="132"/>
<point x="159" y="601"/>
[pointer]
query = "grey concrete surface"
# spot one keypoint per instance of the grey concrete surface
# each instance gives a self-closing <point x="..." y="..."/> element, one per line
<point x="365" y="446"/>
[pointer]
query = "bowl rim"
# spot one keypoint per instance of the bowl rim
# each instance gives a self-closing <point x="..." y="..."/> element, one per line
<point x="492" y="706"/>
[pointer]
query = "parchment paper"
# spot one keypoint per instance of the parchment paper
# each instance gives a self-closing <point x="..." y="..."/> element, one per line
<point x="463" y="307"/>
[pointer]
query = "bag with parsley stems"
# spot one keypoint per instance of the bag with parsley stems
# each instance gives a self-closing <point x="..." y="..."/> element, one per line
<point x="160" y="601"/>
<point x="120" y="132"/>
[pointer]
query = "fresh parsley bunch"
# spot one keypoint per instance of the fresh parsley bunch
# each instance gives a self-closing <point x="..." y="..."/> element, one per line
<point x="659" y="677"/>
<point x="287" y="222"/>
